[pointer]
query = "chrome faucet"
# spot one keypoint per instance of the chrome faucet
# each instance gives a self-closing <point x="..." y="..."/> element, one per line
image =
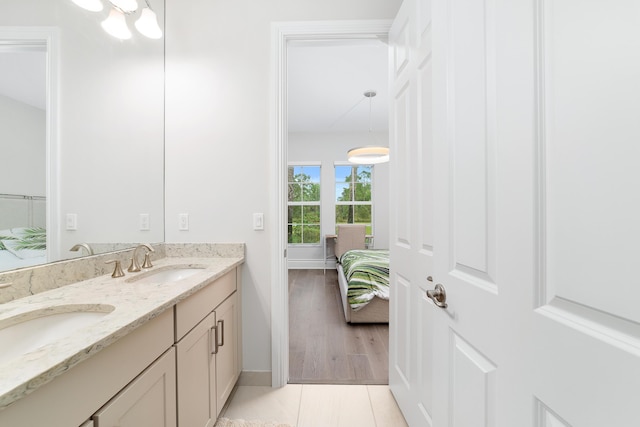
<point x="135" y="265"/>
<point x="86" y="246"/>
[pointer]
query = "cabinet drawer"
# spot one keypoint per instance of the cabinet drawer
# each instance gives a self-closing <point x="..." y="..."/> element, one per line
<point x="195" y="308"/>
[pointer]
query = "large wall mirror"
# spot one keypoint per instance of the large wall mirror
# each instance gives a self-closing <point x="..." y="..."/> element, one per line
<point x="81" y="133"/>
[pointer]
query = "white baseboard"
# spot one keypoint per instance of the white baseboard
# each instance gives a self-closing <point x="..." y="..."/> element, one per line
<point x="310" y="264"/>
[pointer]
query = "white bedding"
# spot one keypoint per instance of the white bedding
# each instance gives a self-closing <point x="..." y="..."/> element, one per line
<point x="9" y="261"/>
<point x="13" y="253"/>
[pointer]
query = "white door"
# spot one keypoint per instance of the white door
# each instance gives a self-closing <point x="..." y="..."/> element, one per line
<point x="586" y="319"/>
<point x="411" y="216"/>
<point x="535" y="215"/>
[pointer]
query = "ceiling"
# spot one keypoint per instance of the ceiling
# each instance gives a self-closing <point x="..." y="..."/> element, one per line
<point x="23" y="73"/>
<point x="327" y="81"/>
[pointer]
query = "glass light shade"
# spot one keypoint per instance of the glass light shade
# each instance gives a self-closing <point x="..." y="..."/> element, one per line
<point x="368" y="155"/>
<point x="125" y="5"/>
<point x="90" y="5"/>
<point x="147" y="24"/>
<point x="116" y="25"/>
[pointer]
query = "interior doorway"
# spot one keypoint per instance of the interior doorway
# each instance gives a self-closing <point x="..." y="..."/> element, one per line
<point x="282" y="36"/>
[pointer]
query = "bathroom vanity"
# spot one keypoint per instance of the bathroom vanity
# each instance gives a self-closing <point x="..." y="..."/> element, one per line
<point x="167" y="351"/>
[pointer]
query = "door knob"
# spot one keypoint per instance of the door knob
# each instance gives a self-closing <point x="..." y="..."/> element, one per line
<point x="438" y="296"/>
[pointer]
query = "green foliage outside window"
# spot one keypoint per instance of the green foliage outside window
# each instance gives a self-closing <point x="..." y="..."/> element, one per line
<point x="304" y="205"/>
<point x="353" y="196"/>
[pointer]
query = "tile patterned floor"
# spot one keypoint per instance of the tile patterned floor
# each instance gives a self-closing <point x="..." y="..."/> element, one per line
<point x="311" y="405"/>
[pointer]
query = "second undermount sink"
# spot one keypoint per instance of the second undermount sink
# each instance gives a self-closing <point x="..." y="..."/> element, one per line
<point x="30" y="331"/>
<point x="167" y="274"/>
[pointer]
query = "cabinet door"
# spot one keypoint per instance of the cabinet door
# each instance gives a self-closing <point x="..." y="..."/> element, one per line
<point x="149" y="401"/>
<point x="227" y="366"/>
<point x="197" y="375"/>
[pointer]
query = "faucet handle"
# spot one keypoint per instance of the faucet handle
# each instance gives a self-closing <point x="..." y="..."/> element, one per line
<point x="117" y="271"/>
<point x="147" y="261"/>
<point x="133" y="266"/>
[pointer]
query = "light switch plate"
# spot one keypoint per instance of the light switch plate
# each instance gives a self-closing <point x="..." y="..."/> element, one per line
<point x="258" y="221"/>
<point x="183" y="221"/>
<point x="72" y="221"/>
<point x="144" y="222"/>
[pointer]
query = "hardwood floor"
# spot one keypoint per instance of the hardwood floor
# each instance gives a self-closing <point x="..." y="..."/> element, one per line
<point x="323" y="347"/>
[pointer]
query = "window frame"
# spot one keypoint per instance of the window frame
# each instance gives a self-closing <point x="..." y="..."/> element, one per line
<point x="354" y="202"/>
<point x="318" y="203"/>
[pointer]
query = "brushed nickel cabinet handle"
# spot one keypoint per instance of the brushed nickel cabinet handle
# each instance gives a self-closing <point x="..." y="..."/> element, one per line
<point x="214" y="339"/>
<point x="221" y="329"/>
<point x="438" y="296"/>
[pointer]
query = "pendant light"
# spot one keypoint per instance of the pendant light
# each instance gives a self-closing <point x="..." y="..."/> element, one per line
<point x="371" y="154"/>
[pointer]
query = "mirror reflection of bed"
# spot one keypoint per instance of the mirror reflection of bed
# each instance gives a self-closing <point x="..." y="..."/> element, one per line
<point x="22" y="231"/>
<point x="339" y="319"/>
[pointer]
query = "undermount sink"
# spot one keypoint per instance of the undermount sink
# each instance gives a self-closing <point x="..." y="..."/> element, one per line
<point x="167" y="274"/>
<point x="30" y="331"/>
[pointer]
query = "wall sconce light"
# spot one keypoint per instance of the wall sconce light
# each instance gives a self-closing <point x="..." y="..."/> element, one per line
<point x="372" y="154"/>
<point x="116" y="23"/>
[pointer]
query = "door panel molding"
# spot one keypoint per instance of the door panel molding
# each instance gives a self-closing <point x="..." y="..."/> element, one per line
<point x="425" y="148"/>
<point x="572" y="265"/>
<point x="548" y="418"/>
<point x="401" y="323"/>
<point x="402" y="146"/>
<point x="472" y="385"/>
<point x="472" y="135"/>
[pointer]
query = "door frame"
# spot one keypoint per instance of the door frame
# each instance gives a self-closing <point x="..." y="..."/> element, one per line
<point x="281" y="34"/>
<point x="49" y="39"/>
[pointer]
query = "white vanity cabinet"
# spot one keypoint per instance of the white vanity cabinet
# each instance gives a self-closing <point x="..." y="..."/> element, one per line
<point x="73" y="397"/>
<point x="177" y="368"/>
<point x="208" y="363"/>
<point x="149" y="401"/>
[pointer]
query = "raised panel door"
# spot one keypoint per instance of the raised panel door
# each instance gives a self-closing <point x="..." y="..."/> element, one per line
<point x="196" y="375"/>
<point x="227" y="369"/>
<point x="149" y="401"/>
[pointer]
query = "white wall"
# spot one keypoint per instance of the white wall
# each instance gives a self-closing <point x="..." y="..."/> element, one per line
<point x="23" y="148"/>
<point x="329" y="147"/>
<point x="217" y="131"/>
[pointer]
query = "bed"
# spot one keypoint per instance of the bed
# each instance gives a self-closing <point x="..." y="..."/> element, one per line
<point x="22" y="247"/>
<point x="363" y="277"/>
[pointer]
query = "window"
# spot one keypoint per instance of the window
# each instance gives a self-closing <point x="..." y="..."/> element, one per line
<point x="303" y="221"/>
<point x="353" y="195"/>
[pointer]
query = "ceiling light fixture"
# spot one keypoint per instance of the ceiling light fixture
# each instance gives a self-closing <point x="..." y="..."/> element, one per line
<point x="372" y="154"/>
<point x="116" y="23"/>
<point x="127" y="6"/>
<point x="90" y="5"/>
<point x="147" y="24"/>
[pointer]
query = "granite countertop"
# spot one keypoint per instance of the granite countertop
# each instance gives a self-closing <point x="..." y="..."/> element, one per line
<point x="135" y="303"/>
